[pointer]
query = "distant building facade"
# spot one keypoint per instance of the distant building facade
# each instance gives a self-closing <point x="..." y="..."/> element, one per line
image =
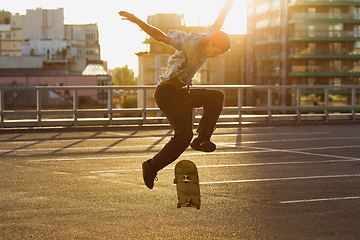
<point x="41" y="33"/>
<point x="85" y="47"/>
<point x="10" y="34"/>
<point x="303" y="42"/>
<point x="38" y="45"/>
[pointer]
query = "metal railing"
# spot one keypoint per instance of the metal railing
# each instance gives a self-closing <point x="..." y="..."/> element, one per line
<point x="142" y="116"/>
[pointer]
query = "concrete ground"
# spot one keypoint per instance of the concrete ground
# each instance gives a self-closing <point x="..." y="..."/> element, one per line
<point x="285" y="182"/>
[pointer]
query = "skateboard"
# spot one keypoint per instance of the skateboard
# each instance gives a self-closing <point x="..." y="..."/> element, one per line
<point x="187" y="184"/>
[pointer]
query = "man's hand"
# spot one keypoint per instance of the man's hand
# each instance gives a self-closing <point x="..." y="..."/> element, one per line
<point x="128" y="16"/>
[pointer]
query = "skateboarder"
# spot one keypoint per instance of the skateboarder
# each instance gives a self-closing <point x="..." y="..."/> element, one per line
<point x="174" y="96"/>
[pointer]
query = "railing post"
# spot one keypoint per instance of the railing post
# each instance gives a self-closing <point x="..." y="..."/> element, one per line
<point x="144" y="106"/>
<point x="298" y="103"/>
<point x="38" y="106"/>
<point x="269" y="104"/>
<point x="353" y="103"/>
<point x="327" y="104"/>
<point x="240" y="102"/>
<point x="110" y="105"/>
<point x="2" y="108"/>
<point x="75" y="107"/>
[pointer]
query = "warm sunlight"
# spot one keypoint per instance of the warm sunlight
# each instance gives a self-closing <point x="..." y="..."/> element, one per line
<point x="120" y="40"/>
<point x="200" y="12"/>
<point x="196" y="13"/>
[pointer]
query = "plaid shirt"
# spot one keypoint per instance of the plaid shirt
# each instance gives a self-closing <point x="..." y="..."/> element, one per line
<point x="187" y="59"/>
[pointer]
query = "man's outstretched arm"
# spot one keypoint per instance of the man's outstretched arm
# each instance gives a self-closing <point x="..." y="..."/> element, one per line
<point x="153" y="32"/>
<point x="221" y="18"/>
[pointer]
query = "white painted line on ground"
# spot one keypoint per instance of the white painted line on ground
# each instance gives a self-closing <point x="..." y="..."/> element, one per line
<point x="266" y="134"/>
<point x="280" y="179"/>
<point x="319" y="200"/>
<point x="323" y="148"/>
<point x="156" y="137"/>
<point x="75" y="148"/>
<point x="254" y="150"/>
<point x="306" y="153"/>
<point x="233" y="145"/>
<point x="79" y="159"/>
<point x="236" y="144"/>
<point x="138" y="156"/>
<point x="237" y="165"/>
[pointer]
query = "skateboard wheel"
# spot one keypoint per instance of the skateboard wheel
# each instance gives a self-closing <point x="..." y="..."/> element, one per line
<point x="198" y="206"/>
<point x="175" y="180"/>
<point x="178" y="205"/>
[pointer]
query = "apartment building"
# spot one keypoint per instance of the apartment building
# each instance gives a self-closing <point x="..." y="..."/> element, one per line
<point x="10" y="34"/>
<point x="70" y="47"/>
<point x="40" y="44"/>
<point x="303" y="42"/>
<point x="84" y="42"/>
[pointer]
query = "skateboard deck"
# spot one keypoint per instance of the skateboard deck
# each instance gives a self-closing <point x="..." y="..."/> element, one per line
<point x="187" y="184"/>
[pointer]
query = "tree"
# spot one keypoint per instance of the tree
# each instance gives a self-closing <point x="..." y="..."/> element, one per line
<point x="123" y="77"/>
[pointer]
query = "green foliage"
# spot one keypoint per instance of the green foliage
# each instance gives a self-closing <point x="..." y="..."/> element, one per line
<point x="130" y="102"/>
<point x="123" y="77"/>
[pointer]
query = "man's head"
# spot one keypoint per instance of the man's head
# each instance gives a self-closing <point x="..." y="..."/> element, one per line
<point x="217" y="44"/>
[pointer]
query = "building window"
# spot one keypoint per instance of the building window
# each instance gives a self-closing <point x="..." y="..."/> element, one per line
<point x="103" y="94"/>
<point x="262" y="8"/>
<point x="164" y="61"/>
<point x="311" y="31"/>
<point x="312" y="48"/>
<point x="90" y="37"/>
<point x="335" y="81"/>
<point x="311" y="81"/>
<point x="335" y="13"/>
<point x="311" y="13"/>
<point x="7" y="35"/>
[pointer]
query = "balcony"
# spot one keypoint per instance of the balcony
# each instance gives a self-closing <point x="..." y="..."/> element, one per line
<point x="260" y="56"/>
<point x="324" y="2"/>
<point x="305" y="70"/>
<point x="324" y="53"/>
<point x="263" y="24"/>
<point x="264" y="39"/>
<point x="268" y="71"/>
<point x="323" y="35"/>
<point x="325" y="17"/>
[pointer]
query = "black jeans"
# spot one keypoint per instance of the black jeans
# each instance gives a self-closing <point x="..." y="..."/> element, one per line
<point x="177" y="105"/>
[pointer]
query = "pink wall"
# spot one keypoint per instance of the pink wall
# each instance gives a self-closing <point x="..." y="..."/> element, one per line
<point x="53" y="80"/>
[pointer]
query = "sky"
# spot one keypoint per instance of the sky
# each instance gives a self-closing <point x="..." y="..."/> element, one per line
<point x="119" y="39"/>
